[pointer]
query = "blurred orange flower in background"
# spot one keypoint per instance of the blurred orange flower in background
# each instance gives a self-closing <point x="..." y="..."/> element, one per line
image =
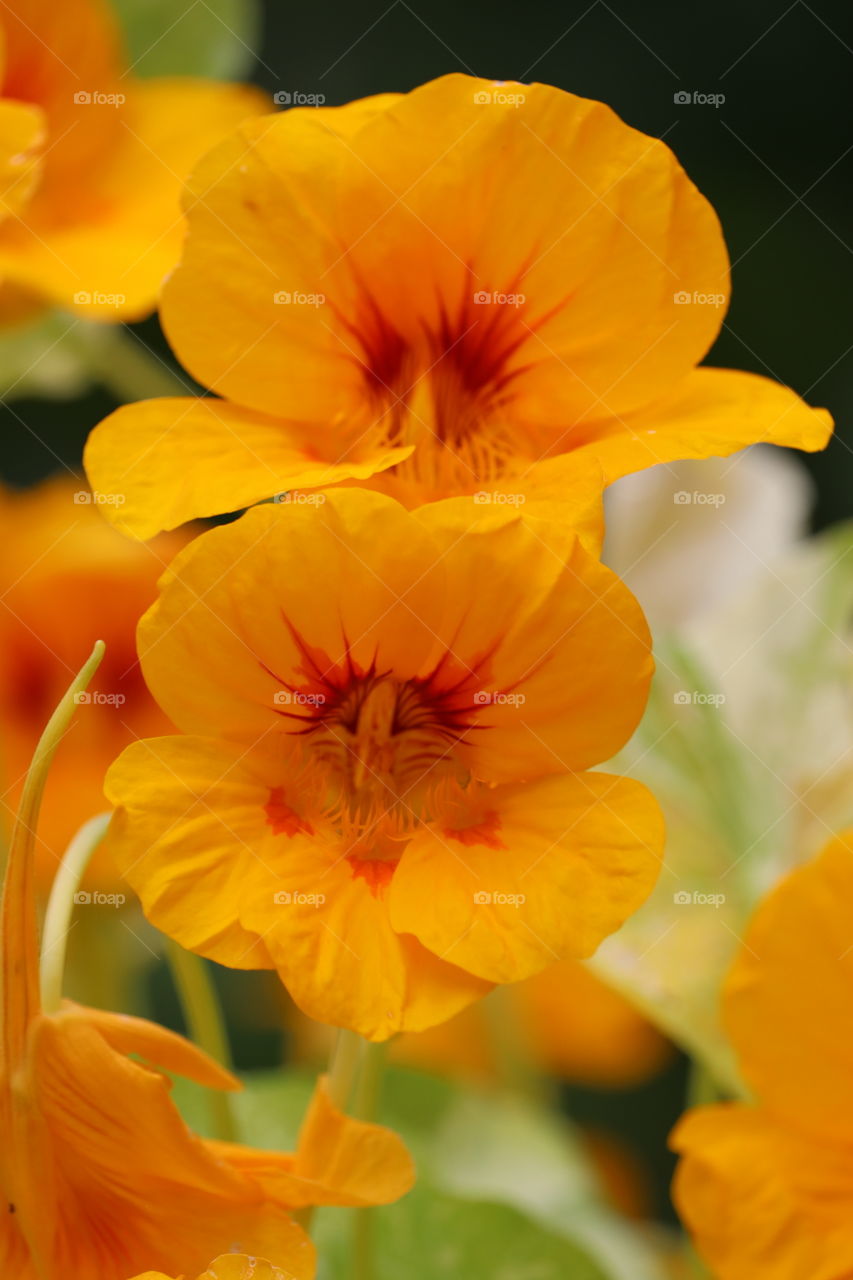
<point x="384" y="787"/>
<point x="452" y="290"/>
<point x="91" y="162"/>
<point x="65" y="574"/>
<point x="765" y="1189"/>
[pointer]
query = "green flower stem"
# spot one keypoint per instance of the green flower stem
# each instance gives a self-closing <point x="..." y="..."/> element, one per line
<point x="60" y="907"/>
<point x="206" y="1027"/>
<point x="366" y="1107"/>
<point x="344" y="1066"/>
<point x="124" y="365"/>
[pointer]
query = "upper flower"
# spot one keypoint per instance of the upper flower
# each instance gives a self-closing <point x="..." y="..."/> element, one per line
<point x="766" y="1189"/>
<point x="100" y="1176"/>
<point x="449" y="290"/>
<point x="383" y="791"/>
<point x="92" y="160"/>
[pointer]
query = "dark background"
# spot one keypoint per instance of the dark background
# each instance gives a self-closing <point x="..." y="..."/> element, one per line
<point x="776" y="159"/>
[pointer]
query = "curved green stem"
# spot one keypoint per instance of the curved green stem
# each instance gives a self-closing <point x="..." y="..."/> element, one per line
<point x="206" y="1026"/>
<point x="18" y="927"/>
<point x="60" y="907"/>
<point x="343" y="1067"/>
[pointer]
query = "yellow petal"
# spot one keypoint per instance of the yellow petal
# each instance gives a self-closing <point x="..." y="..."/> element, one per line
<point x="22" y="135"/>
<point x="238" y="458"/>
<point x="543" y="872"/>
<point x="713" y="413"/>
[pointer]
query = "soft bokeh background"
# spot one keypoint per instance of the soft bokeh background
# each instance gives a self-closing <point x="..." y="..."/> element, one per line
<point x="775" y="159"/>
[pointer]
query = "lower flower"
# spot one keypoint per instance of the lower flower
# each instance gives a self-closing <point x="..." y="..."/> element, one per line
<point x="384" y="789"/>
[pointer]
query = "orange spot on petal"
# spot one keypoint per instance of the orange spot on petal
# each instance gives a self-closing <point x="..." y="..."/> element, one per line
<point x="378" y="872"/>
<point x="282" y="819"/>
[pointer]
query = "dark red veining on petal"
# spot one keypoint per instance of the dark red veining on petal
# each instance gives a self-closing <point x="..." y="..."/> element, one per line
<point x="283" y="819"/>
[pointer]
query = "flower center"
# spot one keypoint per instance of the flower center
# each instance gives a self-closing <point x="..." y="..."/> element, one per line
<point x="448" y="391"/>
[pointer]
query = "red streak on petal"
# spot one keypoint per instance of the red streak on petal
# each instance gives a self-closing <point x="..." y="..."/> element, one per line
<point x="282" y="818"/>
<point x="485" y="832"/>
<point x="378" y="872"/>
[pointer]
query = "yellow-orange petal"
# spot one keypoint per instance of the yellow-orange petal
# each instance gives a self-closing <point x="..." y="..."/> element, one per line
<point x="362" y="218"/>
<point x="787" y="1002"/>
<point x="760" y="1200"/>
<point x="538" y="872"/>
<point x="712" y="413"/>
<point x="541" y="608"/>
<point x="196" y="821"/>
<point x="338" y="1161"/>
<point x="288" y="596"/>
<point x="107" y="257"/>
<point x="168" y="461"/>
<point x="22" y="136"/>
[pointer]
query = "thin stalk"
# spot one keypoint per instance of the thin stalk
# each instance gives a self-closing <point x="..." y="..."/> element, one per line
<point x="206" y="1026"/>
<point x="60" y="907"/>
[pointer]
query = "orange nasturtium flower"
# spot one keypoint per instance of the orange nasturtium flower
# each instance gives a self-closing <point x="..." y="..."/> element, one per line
<point x="383" y="791"/>
<point x="766" y="1189"/>
<point x="92" y="159"/>
<point x="99" y="1174"/>
<point x="62" y="566"/>
<point x="452" y="290"/>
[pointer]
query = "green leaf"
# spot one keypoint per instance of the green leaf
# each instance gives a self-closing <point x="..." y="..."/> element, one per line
<point x="210" y="38"/>
<point x="429" y="1234"/>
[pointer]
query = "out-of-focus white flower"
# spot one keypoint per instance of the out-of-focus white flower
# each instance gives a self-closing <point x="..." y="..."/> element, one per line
<point x="748" y="745"/>
<point x="685" y="535"/>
